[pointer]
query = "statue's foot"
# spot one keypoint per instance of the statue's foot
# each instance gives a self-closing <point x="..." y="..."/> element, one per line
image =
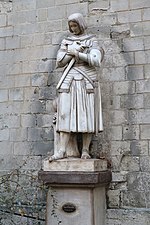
<point x="56" y="156"/>
<point x="85" y="154"/>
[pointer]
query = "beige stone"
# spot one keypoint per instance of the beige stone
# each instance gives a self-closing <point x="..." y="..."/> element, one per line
<point x="73" y="164"/>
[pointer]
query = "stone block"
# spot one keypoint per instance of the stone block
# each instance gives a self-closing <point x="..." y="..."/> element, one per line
<point x="99" y="5"/>
<point x="42" y="14"/>
<point x="31" y="93"/>
<point x="24" y="29"/>
<point x="135" y="4"/>
<point x="44" y="120"/>
<point x="143" y="86"/>
<point x="4" y="134"/>
<point x="146" y="42"/>
<point x="130" y="163"/>
<point x="115" y="133"/>
<point x="112" y="102"/>
<point x="34" y="134"/>
<point x="45" y="3"/>
<point x="131" y="132"/>
<point x="48" y="93"/>
<point x="145" y="131"/>
<point x="28" y="120"/>
<point x="113" y="198"/>
<point x="146" y="28"/>
<point x="22" y="81"/>
<point x="145" y="163"/>
<point x="35" y="148"/>
<point x="38" y="107"/>
<point x="147" y="100"/>
<point x="14" y="68"/>
<point x="30" y="67"/>
<point x="117" y="5"/>
<point x="120" y="148"/>
<point x="136" y="29"/>
<point x="118" y="117"/>
<point x="118" y="59"/>
<point x="65" y="2"/>
<point x="50" y="107"/>
<point x="16" y="94"/>
<point x="80" y="7"/>
<point x="57" y="12"/>
<point x="139" y="181"/>
<point x="39" y="79"/>
<point x="42" y="148"/>
<point x="57" y="37"/>
<point x="24" y="5"/>
<point x="2" y="43"/>
<point x="124" y="87"/>
<point x="135" y="72"/>
<point x="6" y="147"/>
<point x="139" y="147"/>
<point x="19" y="134"/>
<point x="128" y="216"/>
<point x="146" y="15"/>
<point x="113" y="74"/>
<point x="10" y="121"/>
<point x="119" y="176"/>
<point x="134" y="199"/>
<point x="39" y="134"/>
<point x="129" y="16"/>
<point x="3" y="95"/>
<point x="129" y="57"/>
<point x="141" y="57"/>
<point x="6" y="32"/>
<point x="132" y="101"/>
<point x="3" y="20"/>
<point x="139" y="116"/>
<point x="133" y="44"/>
<point x="75" y="164"/>
<point x="21" y="17"/>
<point x="49" y="26"/>
<point x="32" y="40"/>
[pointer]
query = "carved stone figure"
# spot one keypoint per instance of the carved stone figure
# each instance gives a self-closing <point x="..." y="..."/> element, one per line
<point x="79" y="99"/>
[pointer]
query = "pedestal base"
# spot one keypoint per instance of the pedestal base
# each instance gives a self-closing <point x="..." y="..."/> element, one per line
<point x="76" y="191"/>
<point x="75" y="206"/>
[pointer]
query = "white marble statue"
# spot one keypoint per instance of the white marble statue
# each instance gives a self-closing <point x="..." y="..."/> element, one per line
<point x="79" y="99"/>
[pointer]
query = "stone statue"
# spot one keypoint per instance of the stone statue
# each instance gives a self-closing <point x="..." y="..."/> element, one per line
<point x="78" y="104"/>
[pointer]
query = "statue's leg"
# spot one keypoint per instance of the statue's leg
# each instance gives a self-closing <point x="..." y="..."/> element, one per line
<point x="61" y="151"/>
<point x="86" y="143"/>
<point x="72" y="148"/>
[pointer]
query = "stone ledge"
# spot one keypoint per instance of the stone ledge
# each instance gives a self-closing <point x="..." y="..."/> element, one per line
<point x="75" y="164"/>
<point x="75" y="178"/>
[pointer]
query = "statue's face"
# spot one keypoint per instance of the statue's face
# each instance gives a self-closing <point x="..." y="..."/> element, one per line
<point x="74" y="27"/>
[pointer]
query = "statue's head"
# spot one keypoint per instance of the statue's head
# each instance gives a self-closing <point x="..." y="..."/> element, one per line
<point x="76" y="24"/>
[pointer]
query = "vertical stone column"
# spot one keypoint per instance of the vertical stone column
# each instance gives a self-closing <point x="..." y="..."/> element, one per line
<point x="76" y="191"/>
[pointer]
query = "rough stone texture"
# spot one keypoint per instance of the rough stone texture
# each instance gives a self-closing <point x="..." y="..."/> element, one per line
<point x="30" y="32"/>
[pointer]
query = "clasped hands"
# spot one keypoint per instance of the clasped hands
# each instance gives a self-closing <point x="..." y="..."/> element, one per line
<point x="75" y="48"/>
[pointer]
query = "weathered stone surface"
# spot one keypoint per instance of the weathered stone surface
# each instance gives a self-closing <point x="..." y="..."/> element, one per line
<point x="75" y="178"/>
<point x="127" y="216"/>
<point x="89" y="165"/>
<point x="30" y="34"/>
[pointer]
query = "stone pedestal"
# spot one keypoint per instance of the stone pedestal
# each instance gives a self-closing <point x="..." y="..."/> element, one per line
<point x="76" y="191"/>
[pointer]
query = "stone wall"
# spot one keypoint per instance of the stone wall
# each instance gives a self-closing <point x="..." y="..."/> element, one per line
<point x="30" y="33"/>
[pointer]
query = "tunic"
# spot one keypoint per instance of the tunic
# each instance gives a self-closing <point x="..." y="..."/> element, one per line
<point x="79" y="98"/>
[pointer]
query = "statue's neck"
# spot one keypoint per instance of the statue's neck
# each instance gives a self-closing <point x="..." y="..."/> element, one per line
<point x="80" y="37"/>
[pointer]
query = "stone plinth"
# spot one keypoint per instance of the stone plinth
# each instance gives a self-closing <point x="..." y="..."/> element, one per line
<point x="77" y="191"/>
<point x="74" y="164"/>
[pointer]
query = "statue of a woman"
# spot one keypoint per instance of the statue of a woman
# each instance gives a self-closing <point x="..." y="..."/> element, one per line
<point x="79" y="100"/>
